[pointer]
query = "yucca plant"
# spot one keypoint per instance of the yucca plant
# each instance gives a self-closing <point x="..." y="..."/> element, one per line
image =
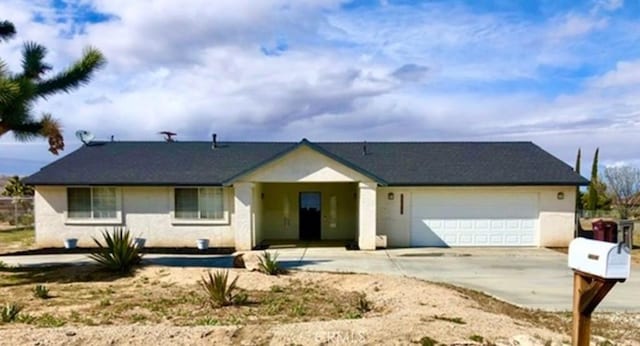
<point x="268" y="263"/>
<point x="119" y="252"/>
<point x="41" y="291"/>
<point x="9" y="312"/>
<point x="220" y="292"/>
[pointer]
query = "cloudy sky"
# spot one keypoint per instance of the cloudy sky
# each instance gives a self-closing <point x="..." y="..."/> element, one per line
<point x="563" y="74"/>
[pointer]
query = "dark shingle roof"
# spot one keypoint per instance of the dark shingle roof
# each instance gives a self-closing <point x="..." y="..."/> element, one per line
<point x="389" y="163"/>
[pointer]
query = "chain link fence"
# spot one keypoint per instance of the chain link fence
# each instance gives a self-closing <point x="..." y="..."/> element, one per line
<point x="16" y="212"/>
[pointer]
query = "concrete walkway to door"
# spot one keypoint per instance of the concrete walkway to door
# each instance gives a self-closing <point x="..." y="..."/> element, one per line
<point x="534" y="278"/>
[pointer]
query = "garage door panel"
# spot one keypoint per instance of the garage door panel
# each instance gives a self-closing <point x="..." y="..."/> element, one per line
<point x="474" y="219"/>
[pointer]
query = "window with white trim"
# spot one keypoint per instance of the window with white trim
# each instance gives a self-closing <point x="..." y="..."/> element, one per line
<point x="205" y="203"/>
<point x="91" y="203"/>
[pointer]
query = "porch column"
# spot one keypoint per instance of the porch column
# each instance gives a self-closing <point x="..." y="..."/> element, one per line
<point x="242" y="221"/>
<point x="367" y="216"/>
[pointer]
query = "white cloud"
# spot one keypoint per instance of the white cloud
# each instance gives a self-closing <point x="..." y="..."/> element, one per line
<point x="431" y="72"/>
<point x="573" y="25"/>
<point x="608" y="5"/>
<point x="625" y="74"/>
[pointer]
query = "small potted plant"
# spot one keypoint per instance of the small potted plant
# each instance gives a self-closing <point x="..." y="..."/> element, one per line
<point x="70" y="243"/>
<point x="202" y="244"/>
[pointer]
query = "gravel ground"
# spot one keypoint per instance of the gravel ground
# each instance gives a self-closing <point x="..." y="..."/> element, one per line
<point x="408" y="310"/>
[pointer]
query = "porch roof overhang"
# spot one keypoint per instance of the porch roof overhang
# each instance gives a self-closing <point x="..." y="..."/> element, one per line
<point x="304" y="143"/>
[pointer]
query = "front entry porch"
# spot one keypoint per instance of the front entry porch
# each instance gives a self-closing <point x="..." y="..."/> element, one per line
<point x="269" y="214"/>
<point x="274" y="244"/>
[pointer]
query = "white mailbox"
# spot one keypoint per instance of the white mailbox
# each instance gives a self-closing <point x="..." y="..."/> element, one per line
<point x="599" y="258"/>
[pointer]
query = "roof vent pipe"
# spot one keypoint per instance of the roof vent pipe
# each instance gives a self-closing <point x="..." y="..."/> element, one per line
<point x="364" y="149"/>
<point x="215" y="141"/>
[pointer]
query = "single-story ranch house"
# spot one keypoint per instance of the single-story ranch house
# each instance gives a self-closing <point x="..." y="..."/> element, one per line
<point x="243" y="194"/>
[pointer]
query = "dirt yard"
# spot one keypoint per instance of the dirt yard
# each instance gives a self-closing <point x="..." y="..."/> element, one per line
<point x="12" y="240"/>
<point x="160" y="305"/>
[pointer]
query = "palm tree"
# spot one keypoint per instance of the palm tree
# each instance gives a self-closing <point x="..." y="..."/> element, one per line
<point x="19" y="91"/>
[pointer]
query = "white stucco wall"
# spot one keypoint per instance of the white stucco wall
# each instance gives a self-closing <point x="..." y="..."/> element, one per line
<point x="145" y="211"/>
<point x="555" y="218"/>
<point x="305" y="165"/>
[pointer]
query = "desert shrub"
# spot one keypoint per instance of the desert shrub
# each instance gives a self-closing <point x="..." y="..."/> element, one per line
<point x="9" y="312"/>
<point x="41" y="291"/>
<point x="363" y="305"/>
<point x="118" y="253"/>
<point x="25" y="219"/>
<point x="269" y="263"/>
<point x="456" y="320"/>
<point x="477" y="338"/>
<point x="220" y="292"/>
<point x="48" y="320"/>
<point x="208" y="321"/>
<point x="427" y="341"/>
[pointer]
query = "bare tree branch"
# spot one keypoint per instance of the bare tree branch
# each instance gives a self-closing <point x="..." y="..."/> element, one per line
<point x="624" y="182"/>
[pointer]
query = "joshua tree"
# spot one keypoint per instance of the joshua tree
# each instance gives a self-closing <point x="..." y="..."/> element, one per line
<point x="18" y="91"/>
<point x="16" y="189"/>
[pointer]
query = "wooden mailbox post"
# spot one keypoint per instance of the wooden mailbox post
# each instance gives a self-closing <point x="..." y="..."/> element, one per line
<point x="597" y="267"/>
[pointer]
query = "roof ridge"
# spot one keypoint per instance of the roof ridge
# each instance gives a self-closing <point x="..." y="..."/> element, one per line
<point x="315" y="142"/>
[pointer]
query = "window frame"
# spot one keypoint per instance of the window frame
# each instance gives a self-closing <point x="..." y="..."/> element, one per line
<point x="116" y="220"/>
<point x="198" y="221"/>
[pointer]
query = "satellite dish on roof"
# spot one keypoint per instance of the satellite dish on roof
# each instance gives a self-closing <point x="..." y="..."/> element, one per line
<point x="85" y="136"/>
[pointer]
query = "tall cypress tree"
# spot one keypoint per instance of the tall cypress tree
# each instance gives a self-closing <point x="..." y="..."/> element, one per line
<point x="577" y="168"/>
<point x="592" y="202"/>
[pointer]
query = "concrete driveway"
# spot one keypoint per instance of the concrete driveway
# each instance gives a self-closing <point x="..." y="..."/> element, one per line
<point x="534" y="278"/>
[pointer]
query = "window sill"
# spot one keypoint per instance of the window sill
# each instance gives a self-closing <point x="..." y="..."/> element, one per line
<point x="196" y="222"/>
<point x="93" y="222"/>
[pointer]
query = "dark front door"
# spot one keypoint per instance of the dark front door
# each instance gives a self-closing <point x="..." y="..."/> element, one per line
<point x="310" y="219"/>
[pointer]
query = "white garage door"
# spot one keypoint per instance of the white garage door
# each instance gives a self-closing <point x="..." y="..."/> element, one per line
<point x="474" y="219"/>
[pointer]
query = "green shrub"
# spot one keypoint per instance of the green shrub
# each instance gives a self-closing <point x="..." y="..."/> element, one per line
<point x="9" y="312"/>
<point x="298" y="310"/>
<point x="352" y="315"/>
<point x="41" y="291"/>
<point x="220" y="292"/>
<point x="208" y="321"/>
<point x="118" y="253"/>
<point x="3" y="265"/>
<point x="241" y="298"/>
<point x="48" y="320"/>
<point x="427" y="341"/>
<point x="269" y="263"/>
<point x="456" y="320"/>
<point x="25" y="219"/>
<point x="476" y="338"/>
